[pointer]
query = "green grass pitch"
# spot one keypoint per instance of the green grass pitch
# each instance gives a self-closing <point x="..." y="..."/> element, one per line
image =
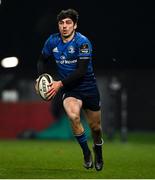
<point x="51" y="159"/>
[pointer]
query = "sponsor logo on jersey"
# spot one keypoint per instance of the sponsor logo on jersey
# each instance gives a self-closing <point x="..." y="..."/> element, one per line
<point x="66" y="61"/>
<point x="70" y="62"/>
<point x="55" y="50"/>
<point x="71" y="49"/>
<point x="84" y="48"/>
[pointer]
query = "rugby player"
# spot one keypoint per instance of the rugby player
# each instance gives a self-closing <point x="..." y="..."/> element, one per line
<point x="72" y="53"/>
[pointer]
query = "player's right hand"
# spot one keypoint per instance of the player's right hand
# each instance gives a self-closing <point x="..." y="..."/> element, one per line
<point x="54" y="88"/>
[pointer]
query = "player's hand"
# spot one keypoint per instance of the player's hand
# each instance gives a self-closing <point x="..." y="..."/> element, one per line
<point x="36" y="85"/>
<point x="54" y="88"/>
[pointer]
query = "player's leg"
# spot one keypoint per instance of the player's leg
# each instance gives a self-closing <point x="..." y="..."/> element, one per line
<point x="72" y="107"/>
<point x="94" y="121"/>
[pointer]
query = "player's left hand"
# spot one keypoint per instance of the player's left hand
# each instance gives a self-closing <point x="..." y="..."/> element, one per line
<point x="54" y="88"/>
<point x="36" y="85"/>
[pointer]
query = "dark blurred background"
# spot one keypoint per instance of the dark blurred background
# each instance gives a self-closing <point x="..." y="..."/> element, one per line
<point x="122" y="35"/>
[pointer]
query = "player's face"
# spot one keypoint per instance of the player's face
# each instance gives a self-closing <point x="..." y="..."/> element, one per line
<point x="66" y="27"/>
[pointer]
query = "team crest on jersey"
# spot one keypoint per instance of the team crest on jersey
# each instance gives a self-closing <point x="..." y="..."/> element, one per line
<point x="71" y="49"/>
<point x="55" y="50"/>
<point x="84" y="48"/>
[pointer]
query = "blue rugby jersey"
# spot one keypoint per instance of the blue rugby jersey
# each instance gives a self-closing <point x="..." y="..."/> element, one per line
<point x="66" y="56"/>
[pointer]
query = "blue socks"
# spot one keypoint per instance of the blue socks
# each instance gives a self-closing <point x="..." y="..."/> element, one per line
<point x="82" y="140"/>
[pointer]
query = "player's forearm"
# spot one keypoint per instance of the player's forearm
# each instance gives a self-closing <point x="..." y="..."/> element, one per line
<point x="41" y="64"/>
<point x="77" y="74"/>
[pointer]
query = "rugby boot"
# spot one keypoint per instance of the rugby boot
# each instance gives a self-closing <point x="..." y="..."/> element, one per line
<point x="88" y="161"/>
<point x="98" y="161"/>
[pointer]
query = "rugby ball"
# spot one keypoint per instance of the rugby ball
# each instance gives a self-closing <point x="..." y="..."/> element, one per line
<point x="43" y="82"/>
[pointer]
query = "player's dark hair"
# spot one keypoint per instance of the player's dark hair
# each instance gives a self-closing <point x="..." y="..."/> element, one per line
<point x="69" y="13"/>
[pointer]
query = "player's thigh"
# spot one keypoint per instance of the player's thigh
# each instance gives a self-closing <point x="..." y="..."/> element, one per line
<point x="72" y="106"/>
<point x="93" y="117"/>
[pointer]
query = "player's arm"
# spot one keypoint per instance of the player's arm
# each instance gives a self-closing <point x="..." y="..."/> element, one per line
<point x="45" y="65"/>
<point x="46" y="58"/>
<point x="77" y="74"/>
<point x="41" y="68"/>
<point x="74" y="77"/>
<point x="42" y="64"/>
<point x="44" y="61"/>
<point x="71" y="79"/>
<point x="82" y="65"/>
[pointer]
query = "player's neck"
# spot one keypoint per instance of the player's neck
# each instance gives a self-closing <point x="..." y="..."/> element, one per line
<point x="65" y="40"/>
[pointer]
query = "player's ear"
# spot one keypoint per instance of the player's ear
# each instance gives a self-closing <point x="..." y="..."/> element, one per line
<point x="75" y="26"/>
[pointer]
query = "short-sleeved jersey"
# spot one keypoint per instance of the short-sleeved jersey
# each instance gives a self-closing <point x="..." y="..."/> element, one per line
<point x="66" y="56"/>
